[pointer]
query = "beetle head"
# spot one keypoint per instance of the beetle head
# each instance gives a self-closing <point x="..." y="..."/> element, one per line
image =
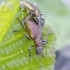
<point x="39" y="50"/>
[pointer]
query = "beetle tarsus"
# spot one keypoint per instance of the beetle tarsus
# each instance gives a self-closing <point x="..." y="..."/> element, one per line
<point x="29" y="49"/>
<point x="44" y="42"/>
<point x="42" y="54"/>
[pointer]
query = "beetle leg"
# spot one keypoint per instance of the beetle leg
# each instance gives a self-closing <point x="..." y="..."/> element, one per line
<point x="31" y="13"/>
<point x="42" y="54"/>
<point x="25" y="16"/>
<point x="22" y="23"/>
<point x="27" y="36"/>
<point x="22" y="33"/>
<point x="29" y="49"/>
<point x="46" y="41"/>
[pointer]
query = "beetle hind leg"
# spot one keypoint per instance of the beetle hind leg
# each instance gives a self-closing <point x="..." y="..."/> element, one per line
<point x="30" y="49"/>
<point x="22" y="33"/>
<point x="27" y="36"/>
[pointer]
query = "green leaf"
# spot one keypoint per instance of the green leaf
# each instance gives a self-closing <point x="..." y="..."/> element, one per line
<point x="14" y="46"/>
<point x="7" y="14"/>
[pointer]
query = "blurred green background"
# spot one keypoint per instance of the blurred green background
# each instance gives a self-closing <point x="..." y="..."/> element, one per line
<point x="57" y="13"/>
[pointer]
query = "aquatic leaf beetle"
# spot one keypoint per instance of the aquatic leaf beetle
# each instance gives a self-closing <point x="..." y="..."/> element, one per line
<point x="35" y="34"/>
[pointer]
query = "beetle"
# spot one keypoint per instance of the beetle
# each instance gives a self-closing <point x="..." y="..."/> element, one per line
<point x="35" y="34"/>
<point x="34" y="12"/>
<point x="33" y="28"/>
